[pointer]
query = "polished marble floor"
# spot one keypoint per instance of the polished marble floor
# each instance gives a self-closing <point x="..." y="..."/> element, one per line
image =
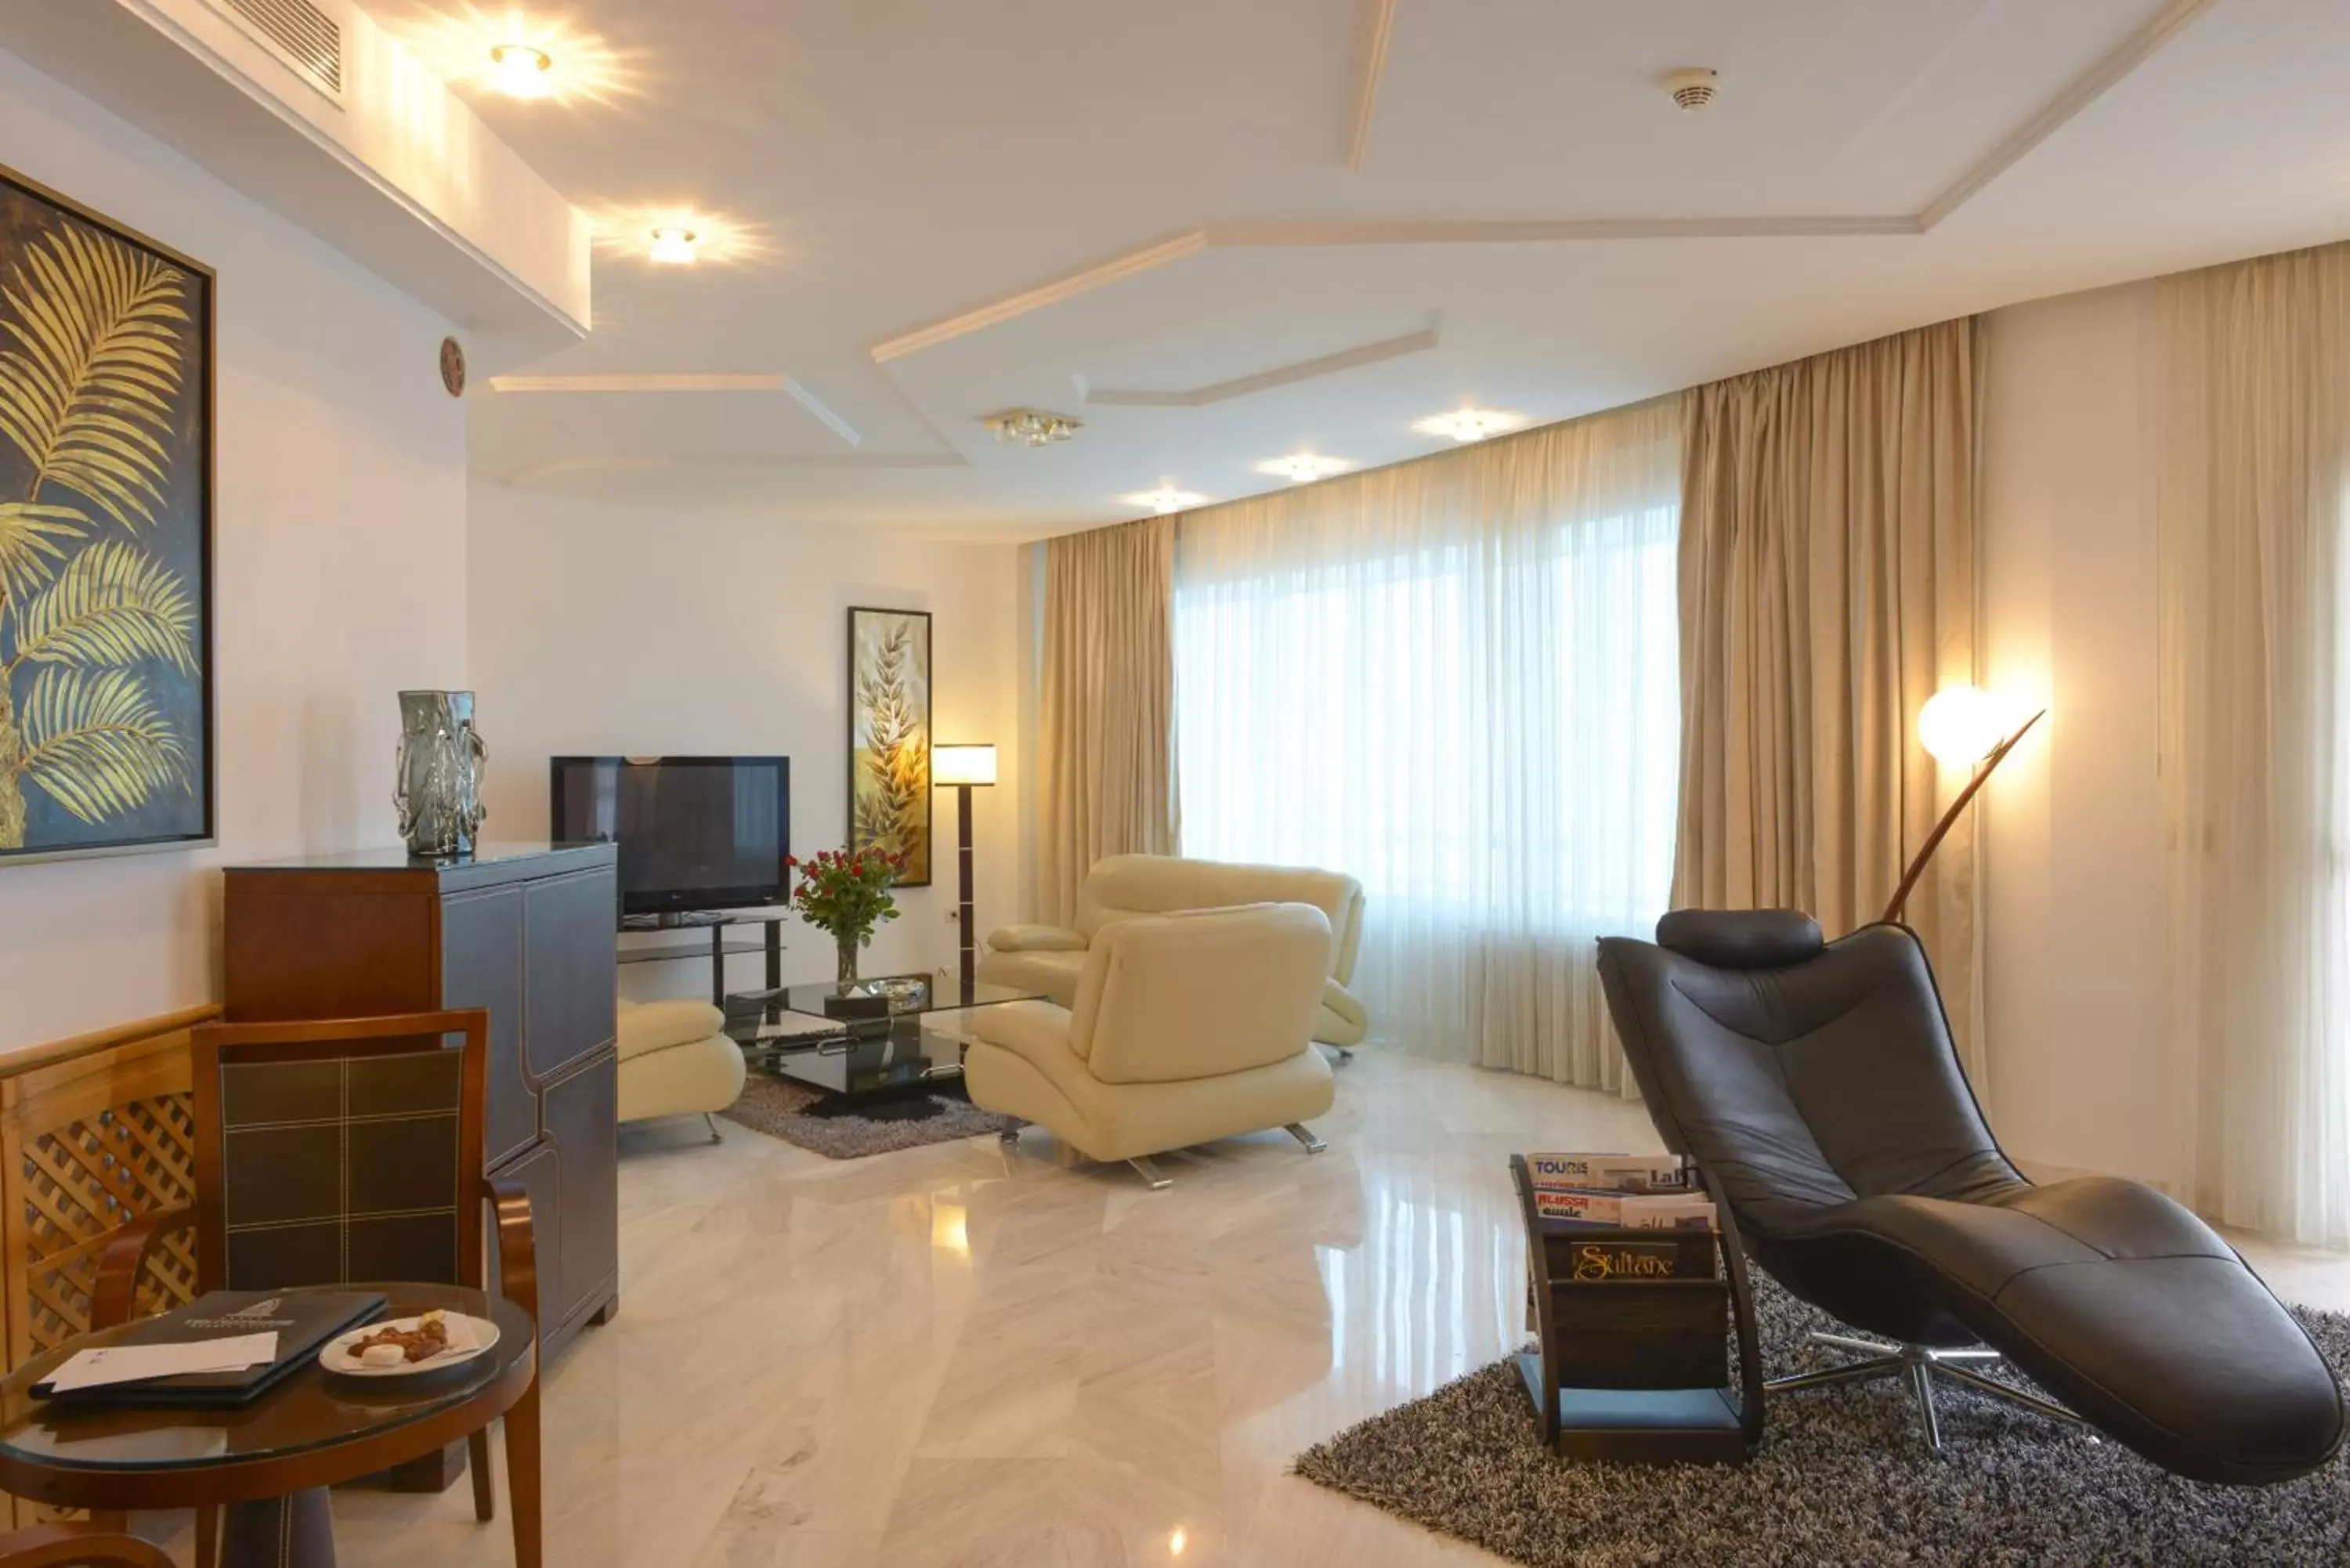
<point x="929" y="1358"/>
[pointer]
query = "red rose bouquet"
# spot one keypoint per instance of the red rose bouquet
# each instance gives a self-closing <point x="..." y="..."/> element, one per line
<point x="847" y="894"/>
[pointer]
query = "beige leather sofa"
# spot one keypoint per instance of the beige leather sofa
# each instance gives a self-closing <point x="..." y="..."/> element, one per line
<point x="676" y="1060"/>
<point x="1049" y="958"/>
<point x="1187" y="1028"/>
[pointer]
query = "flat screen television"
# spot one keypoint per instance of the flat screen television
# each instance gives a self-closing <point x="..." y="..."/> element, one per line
<point x="695" y="833"/>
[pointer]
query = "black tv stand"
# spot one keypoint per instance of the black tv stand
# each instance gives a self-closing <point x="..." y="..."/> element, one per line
<point x="771" y="943"/>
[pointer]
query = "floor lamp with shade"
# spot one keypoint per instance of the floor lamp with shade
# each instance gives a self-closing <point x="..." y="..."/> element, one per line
<point x="962" y="769"/>
<point x="1962" y="725"/>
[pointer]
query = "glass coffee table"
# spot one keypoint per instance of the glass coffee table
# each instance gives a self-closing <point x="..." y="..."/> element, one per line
<point x="876" y="1042"/>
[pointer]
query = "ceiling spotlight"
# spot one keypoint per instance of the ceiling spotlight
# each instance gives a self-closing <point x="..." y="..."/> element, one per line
<point x="677" y="233"/>
<point x="1165" y="499"/>
<point x="1469" y="424"/>
<point x="1032" y="426"/>
<point x="520" y="71"/>
<point x="1304" y="467"/>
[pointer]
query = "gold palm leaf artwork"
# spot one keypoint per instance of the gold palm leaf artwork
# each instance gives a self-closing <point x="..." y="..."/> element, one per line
<point x="93" y="334"/>
<point x="889" y="722"/>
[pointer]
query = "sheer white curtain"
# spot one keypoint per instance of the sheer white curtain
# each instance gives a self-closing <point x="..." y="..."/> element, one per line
<point x="2255" y="647"/>
<point x="1456" y="679"/>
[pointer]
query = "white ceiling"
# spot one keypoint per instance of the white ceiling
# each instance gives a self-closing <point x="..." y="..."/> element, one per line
<point x="1021" y="203"/>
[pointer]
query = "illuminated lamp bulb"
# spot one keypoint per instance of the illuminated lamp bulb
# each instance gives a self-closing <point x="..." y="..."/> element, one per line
<point x="520" y="71"/>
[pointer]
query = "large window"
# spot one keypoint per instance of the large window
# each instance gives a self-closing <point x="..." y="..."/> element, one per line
<point x="1455" y="681"/>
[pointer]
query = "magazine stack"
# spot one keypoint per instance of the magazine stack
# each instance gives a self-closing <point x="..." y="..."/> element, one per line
<point x="1630" y="1299"/>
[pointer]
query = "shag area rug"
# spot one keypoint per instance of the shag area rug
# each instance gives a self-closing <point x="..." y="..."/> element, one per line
<point x="1842" y="1477"/>
<point x="842" y="1126"/>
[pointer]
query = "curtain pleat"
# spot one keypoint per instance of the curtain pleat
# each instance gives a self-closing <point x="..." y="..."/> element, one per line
<point x="1453" y="679"/>
<point x="1106" y="714"/>
<point x="1827" y="589"/>
<point x="2255" y="675"/>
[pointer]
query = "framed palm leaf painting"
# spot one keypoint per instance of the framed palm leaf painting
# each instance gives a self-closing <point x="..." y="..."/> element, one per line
<point x="106" y="500"/>
<point x="889" y="737"/>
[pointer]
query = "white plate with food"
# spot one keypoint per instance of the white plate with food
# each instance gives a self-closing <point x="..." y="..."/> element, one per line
<point x="403" y="1346"/>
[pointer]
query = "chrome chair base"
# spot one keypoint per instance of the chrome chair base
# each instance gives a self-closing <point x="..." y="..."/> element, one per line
<point x="715" y="1136"/>
<point x="1917" y="1366"/>
<point x="1149" y="1170"/>
<point x="1304" y="1135"/>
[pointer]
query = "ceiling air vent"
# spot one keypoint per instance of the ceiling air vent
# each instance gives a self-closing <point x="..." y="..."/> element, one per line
<point x="297" y="32"/>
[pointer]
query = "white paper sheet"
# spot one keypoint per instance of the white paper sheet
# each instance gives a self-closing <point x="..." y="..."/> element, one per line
<point x="133" y="1363"/>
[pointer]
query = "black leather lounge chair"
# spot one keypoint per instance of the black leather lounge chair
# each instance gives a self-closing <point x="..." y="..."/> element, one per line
<point x="1815" y="1085"/>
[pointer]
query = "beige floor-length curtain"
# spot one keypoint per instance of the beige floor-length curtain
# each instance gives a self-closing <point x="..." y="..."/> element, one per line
<point x="2255" y="672"/>
<point x="1453" y="679"/>
<point x="1105" y="718"/>
<point x="1827" y="589"/>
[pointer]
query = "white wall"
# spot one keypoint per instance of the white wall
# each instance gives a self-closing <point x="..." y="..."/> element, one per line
<point x="339" y="577"/>
<point x="2074" y="934"/>
<point x="617" y="628"/>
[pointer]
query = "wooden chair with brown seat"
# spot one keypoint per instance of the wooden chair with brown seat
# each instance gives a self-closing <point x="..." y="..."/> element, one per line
<point x="344" y="1151"/>
<point x="77" y="1546"/>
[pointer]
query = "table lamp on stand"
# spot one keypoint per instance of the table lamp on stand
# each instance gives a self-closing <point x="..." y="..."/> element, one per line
<point x="965" y="769"/>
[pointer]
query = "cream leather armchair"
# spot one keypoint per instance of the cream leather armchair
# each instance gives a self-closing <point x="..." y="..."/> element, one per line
<point x="676" y="1060"/>
<point x="1050" y="958"/>
<point x="1187" y="1028"/>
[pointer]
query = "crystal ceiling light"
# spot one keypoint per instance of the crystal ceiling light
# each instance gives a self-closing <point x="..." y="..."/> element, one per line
<point x="519" y="70"/>
<point x="1166" y="499"/>
<point x="1304" y="467"/>
<point x="678" y="233"/>
<point x="1032" y="426"/>
<point x="673" y="245"/>
<point x="1469" y="424"/>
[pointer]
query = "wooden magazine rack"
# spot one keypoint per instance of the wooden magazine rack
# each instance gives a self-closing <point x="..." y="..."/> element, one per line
<point x="1635" y="1369"/>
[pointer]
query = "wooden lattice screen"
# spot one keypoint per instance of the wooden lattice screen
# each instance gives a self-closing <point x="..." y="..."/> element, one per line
<point x="94" y="1131"/>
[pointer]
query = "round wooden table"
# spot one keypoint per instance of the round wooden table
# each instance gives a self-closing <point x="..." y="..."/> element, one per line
<point x="270" y="1463"/>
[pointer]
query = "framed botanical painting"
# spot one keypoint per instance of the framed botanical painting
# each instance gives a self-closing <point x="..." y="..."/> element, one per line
<point x="889" y="737"/>
<point x="106" y="536"/>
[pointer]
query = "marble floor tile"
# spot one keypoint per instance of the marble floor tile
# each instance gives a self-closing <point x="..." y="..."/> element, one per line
<point x="947" y="1356"/>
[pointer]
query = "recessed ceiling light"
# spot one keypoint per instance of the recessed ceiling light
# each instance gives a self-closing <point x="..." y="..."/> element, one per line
<point x="519" y="70"/>
<point x="673" y="244"/>
<point x="678" y="233"/>
<point x="1304" y="467"/>
<point x="496" y="45"/>
<point x="1165" y="498"/>
<point x="1469" y="424"/>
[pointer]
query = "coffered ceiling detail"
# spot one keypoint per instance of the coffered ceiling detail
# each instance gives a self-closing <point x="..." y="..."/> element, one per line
<point x="1262" y="381"/>
<point x="1307" y="232"/>
<point x="1227" y="230"/>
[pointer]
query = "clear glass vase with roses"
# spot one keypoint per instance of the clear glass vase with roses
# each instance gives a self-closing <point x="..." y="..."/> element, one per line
<point x="846" y="895"/>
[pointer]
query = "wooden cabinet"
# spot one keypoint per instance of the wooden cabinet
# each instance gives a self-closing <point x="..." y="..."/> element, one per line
<point x="525" y="931"/>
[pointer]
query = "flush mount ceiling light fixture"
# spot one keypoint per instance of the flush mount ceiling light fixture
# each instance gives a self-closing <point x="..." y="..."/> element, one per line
<point x="1304" y="467"/>
<point x="1469" y="424"/>
<point x="519" y="70"/>
<point x="1032" y="426"/>
<point x="508" y="51"/>
<point x="678" y="233"/>
<point x="1166" y="499"/>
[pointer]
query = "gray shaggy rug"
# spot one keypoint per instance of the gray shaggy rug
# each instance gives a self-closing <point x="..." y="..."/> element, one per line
<point x="1842" y="1478"/>
<point x="841" y="1126"/>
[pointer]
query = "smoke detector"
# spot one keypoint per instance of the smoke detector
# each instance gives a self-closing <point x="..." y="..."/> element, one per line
<point x="1694" y="89"/>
